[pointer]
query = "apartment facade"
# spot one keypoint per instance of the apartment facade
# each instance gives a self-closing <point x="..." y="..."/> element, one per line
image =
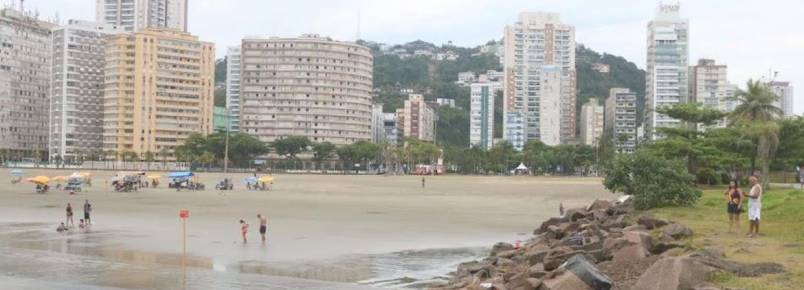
<point x="540" y="78"/>
<point x="667" y="67"/>
<point x="481" y="114"/>
<point x="309" y="86"/>
<point x="390" y="128"/>
<point x="620" y="119"/>
<point x="76" y="100"/>
<point x="25" y="59"/>
<point x="592" y="121"/>
<point x="785" y="92"/>
<point x="158" y="90"/>
<point x="416" y="119"/>
<point x="233" y="86"/>
<point x="514" y="129"/>
<point x="710" y="87"/>
<point x="136" y="15"/>
<point x="377" y="124"/>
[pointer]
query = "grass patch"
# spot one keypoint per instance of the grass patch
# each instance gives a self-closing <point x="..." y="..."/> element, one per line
<point x="781" y="236"/>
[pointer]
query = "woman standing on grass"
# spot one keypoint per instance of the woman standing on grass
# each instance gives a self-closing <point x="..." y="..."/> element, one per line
<point x="734" y="199"/>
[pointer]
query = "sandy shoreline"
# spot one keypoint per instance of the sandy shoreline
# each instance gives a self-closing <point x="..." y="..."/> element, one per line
<point x="314" y="220"/>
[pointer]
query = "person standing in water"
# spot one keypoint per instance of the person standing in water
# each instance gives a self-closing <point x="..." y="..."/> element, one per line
<point x="422" y="181"/>
<point x="263" y="226"/>
<point x="87" y="210"/>
<point x="69" y="211"/>
<point x="243" y="230"/>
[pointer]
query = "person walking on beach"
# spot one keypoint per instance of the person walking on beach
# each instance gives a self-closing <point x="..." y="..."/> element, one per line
<point x="754" y="206"/>
<point x="243" y="230"/>
<point x="263" y="226"/>
<point x="69" y="210"/>
<point x="87" y="210"/>
<point x="422" y="182"/>
<point x="734" y="202"/>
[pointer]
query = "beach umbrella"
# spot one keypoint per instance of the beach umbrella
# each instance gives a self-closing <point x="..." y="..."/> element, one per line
<point x="250" y="179"/>
<point x="41" y="180"/>
<point x="86" y="174"/>
<point x="17" y="172"/>
<point x="59" y="178"/>
<point x="154" y="176"/>
<point x="266" y="179"/>
<point x="76" y="175"/>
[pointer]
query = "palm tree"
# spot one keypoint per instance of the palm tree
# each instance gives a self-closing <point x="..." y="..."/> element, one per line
<point x="757" y="114"/>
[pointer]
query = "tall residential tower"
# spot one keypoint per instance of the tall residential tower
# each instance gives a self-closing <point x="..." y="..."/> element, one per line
<point x="233" y="86"/>
<point x="666" y="74"/>
<point x="308" y="86"/>
<point x="709" y="86"/>
<point x="135" y="15"/>
<point x="481" y="114"/>
<point x="540" y="79"/>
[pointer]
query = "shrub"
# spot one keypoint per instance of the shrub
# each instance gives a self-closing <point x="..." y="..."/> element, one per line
<point x="652" y="181"/>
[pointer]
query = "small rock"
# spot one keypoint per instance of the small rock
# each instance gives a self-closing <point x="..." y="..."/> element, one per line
<point x="575" y="214"/>
<point x="599" y="204"/>
<point x="577" y="274"/>
<point x="550" y="222"/>
<point x="650" y="222"/>
<point x="501" y="247"/>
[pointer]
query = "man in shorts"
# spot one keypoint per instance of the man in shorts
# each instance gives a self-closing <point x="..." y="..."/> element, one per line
<point x="87" y="210"/>
<point x="754" y="206"/>
<point x="263" y="226"/>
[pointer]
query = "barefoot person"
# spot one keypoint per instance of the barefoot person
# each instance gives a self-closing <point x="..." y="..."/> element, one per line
<point x="754" y="206"/>
<point x="87" y="210"/>
<point x="263" y="226"/>
<point x="243" y="229"/>
<point x="69" y="211"/>
<point x="734" y="201"/>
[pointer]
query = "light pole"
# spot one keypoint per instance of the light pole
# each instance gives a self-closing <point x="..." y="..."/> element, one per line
<point x="226" y="142"/>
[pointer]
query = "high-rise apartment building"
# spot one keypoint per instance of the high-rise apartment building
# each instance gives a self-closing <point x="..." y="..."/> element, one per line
<point x="233" y="86"/>
<point x="514" y="129"/>
<point x="308" y="86"/>
<point x="666" y="74"/>
<point x="785" y="92"/>
<point x="390" y="128"/>
<point x="481" y="114"/>
<point x="620" y="119"/>
<point x="377" y="124"/>
<point x="135" y="15"/>
<point x="540" y="78"/>
<point x="416" y="119"/>
<point x="158" y="90"/>
<point x="592" y="120"/>
<point x="76" y="100"/>
<point x="709" y="86"/>
<point x="25" y="58"/>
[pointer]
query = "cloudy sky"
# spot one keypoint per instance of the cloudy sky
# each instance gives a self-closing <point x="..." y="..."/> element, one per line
<point x="750" y="36"/>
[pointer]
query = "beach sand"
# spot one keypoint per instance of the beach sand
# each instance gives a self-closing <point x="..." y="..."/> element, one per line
<point x="321" y="227"/>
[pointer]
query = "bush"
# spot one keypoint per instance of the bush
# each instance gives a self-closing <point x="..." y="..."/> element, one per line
<point x="651" y="180"/>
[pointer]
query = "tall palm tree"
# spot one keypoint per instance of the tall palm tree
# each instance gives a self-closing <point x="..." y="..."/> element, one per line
<point x="757" y="114"/>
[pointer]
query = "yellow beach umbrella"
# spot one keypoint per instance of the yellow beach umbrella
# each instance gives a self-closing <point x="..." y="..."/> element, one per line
<point x="39" y="179"/>
<point x="266" y="179"/>
<point x="154" y="176"/>
<point x="59" y="178"/>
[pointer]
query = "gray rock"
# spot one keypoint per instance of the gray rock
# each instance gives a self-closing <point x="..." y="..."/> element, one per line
<point x="599" y="204"/>
<point x="577" y="274"/>
<point x="677" y="231"/>
<point x="650" y="222"/>
<point x="501" y="247"/>
<point x="673" y="273"/>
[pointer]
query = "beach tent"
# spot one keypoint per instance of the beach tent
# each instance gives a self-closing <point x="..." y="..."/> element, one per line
<point x="41" y="180"/>
<point x="521" y="167"/>
<point x="17" y="172"/>
<point x="266" y="179"/>
<point x="180" y="174"/>
<point x="76" y="175"/>
<point x="250" y="179"/>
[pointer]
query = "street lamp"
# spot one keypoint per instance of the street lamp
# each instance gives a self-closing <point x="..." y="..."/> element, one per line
<point x="226" y="142"/>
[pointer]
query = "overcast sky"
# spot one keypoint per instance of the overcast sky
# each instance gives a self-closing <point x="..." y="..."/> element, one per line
<point x="750" y="36"/>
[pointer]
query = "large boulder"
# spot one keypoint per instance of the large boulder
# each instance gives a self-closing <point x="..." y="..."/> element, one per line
<point x="501" y="247"/>
<point x="575" y="214"/>
<point x="599" y="204"/>
<point x="651" y="222"/>
<point x="674" y="273"/>
<point x="550" y="222"/>
<point x="676" y="231"/>
<point x="638" y="247"/>
<point x="558" y="256"/>
<point x="576" y="274"/>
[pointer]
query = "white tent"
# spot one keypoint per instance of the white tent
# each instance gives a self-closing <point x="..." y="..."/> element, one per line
<point x="521" y="167"/>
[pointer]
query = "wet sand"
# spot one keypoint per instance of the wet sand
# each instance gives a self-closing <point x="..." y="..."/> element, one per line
<point x="332" y="228"/>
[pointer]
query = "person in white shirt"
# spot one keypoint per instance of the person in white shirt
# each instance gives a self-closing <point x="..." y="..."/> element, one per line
<point x="754" y="206"/>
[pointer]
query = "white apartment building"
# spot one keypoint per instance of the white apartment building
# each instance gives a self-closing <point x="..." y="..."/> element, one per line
<point x="620" y="124"/>
<point x="416" y="119"/>
<point x="308" y="86"/>
<point x="785" y="92"/>
<point x="481" y="114"/>
<point x="592" y="120"/>
<point x="710" y="87"/>
<point x="25" y="57"/>
<point x="666" y="73"/>
<point x="233" y="86"/>
<point x="514" y="129"/>
<point x="540" y="77"/>
<point x="390" y="128"/>
<point x="135" y="15"/>
<point x="76" y="100"/>
<point x="377" y="124"/>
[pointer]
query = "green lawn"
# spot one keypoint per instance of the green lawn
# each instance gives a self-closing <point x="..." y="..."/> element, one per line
<point x="781" y="236"/>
